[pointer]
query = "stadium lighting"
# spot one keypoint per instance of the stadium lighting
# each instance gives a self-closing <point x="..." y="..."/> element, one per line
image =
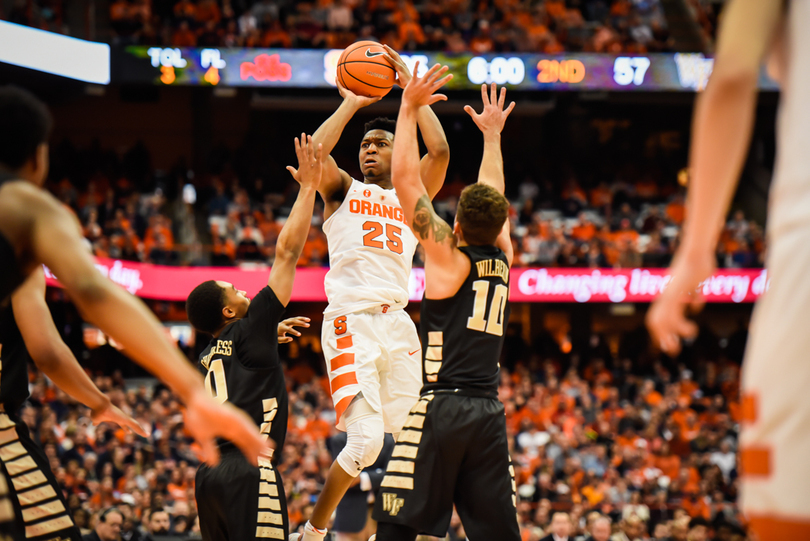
<point x="54" y="53"/>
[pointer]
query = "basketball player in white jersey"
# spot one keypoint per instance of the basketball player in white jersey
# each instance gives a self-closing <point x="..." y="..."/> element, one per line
<point x="775" y="440"/>
<point x="370" y="343"/>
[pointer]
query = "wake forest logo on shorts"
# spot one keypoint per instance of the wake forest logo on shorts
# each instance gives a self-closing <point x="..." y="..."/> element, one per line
<point x="392" y="504"/>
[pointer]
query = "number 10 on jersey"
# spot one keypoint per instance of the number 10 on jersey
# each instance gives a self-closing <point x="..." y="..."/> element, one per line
<point x="494" y="322"/>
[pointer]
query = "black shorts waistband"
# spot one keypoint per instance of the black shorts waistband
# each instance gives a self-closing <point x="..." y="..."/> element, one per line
<point x="471" y="393"/>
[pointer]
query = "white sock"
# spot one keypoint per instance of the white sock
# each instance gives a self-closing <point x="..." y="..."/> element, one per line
<point x="311" y="533"/>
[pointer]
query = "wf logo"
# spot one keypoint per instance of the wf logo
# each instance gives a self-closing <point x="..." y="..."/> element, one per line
<point x="392" y="504"/>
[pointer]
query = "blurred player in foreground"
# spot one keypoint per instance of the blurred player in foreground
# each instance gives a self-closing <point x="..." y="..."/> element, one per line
<point x="775" y="440"/>
<point x="454" y="449"/>
<point x="369" y="341"/>
<point x="27" y="332"/>
<point x="35" y="230"/>
<point x="235" y="499"/>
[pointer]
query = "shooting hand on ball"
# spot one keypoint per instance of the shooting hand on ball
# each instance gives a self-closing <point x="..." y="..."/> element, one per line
<point x="357" y="101"/>
<point x="421" y="90"/>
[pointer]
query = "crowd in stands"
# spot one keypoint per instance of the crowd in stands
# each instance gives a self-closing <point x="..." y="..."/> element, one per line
<point x="622" y="223"/>
<point x="548" y="26"/>
<point x="607" y="431"/>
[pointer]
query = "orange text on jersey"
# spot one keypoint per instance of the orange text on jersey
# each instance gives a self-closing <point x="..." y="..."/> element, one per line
<point x="376" y="209"/>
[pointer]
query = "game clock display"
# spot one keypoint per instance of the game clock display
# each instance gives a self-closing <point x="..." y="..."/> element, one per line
<point x="299" y="68"/>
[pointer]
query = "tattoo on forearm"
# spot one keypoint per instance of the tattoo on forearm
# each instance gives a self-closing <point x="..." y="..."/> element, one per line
<point x="425" y="222"/>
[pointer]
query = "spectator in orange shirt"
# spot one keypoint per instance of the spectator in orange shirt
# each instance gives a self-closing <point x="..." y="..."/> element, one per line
<point x="177" y="486"/>
<point x="585" y="230"/>
<point x="208" y="10"/>
<point x="276" y="36"/>
<point x="482" y="43"/>
<point x="410" y="32"/>
<point x="185" y="10"/>
<point x="676" y="211"/>
<point x="555" y="8"/>
<point x="183" y="36"/>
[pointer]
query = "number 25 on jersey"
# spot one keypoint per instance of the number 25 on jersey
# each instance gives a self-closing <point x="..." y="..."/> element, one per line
<point x="493" y="324"/>
<point x="393" y="236"/>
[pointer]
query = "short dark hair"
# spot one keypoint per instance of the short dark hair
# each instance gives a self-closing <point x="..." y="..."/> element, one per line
<point x="482" y="211"/>
<point x="204" y="307"/>
<point x="380" y="123"/>
<point x="25" y="123"/>
<point x="103" y="516"/>
<point x="155" y="510"/>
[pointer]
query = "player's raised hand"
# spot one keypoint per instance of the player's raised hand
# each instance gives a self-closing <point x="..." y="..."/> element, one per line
<point x="111" y="414"/>
<point x="422" y="90"/>
<point x="288" y="327"/>
<point x="310" y="162"/>
<point x="403" y="73"/>
<point x="206" y="420"/>
<point x="493" y="117"/>
<point x="666" y="318"/>
<point x="357" y="101"/>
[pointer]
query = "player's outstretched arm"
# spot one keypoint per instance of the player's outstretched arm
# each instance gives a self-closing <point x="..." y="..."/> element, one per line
<point x="491" y="122"/>
<point x="55" y="242"/>
<point x="433" y="166"/>
<point x="435" y="235"/>
<point x="724" y="116"/>
<point x="54" y="358"/>
<point x="293" y="235"/>
<point x="336" y="181"/>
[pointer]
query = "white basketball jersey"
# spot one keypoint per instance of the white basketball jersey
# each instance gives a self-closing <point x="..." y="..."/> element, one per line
<point x="789" y="205"/>
<point x="370" y="252"/>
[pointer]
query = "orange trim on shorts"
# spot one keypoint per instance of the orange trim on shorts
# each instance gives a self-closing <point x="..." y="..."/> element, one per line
<point x="344" y="359"/>
<point x="749" y="408"/>
<point x="344" y="342"/>
<point x="770" y="528"/>
<point x="338" y="382"/>
<point x="341" y="406"/>
<point x="755" y="461"/>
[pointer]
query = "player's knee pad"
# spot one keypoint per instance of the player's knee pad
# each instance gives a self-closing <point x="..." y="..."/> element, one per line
<point x="364" y="441"/>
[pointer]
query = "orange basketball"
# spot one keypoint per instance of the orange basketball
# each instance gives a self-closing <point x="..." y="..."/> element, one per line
<point x="363" y="69"/>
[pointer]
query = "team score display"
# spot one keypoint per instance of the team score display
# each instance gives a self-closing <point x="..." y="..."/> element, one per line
<point x="630" y="70"/>
<point x="560" y="71"/>
<point x="393" y="236"/>
<point x="493" y="324"/>
<point x="215" y="381"/>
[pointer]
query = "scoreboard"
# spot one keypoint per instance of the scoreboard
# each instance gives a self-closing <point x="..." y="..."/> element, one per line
<point x="301" y="68"/>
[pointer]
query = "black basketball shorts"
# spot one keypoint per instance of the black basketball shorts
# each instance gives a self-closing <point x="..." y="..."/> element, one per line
<point x="29" y="494"/>
<point x="452" y="450"/>
<point x="236" y="500"/>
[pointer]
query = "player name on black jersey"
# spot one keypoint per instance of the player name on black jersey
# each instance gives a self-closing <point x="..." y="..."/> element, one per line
<point x="493" y="267"/>
<point x="222" y="347"/>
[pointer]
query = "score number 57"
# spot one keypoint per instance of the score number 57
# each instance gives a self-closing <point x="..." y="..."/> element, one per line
<point x="630" y="70"/>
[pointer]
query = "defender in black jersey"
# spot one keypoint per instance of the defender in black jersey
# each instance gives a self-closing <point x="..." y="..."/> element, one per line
<point x="453" y="449"/>
<point x="236" y="500"/>
<point x="36" y="230"/>
<point x="28" y="332"/>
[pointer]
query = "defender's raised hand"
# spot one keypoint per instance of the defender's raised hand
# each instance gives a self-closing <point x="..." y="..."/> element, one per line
<point x="310" y="162"/>
<point x="403" y="73"/>
<point x="421" y="90"/>
<point x="288" y="327"/>
<point x="493" y="117"/>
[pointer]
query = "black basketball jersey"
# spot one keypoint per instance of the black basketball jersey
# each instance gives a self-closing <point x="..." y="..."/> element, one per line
<point x="14" y="359"/>
<point x="241" y="366"/>
<point x="462" y="336"/>
<point x="11" y="275"/>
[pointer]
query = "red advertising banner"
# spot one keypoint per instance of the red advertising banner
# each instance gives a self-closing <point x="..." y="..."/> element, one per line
<point x="527" y="285"/>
